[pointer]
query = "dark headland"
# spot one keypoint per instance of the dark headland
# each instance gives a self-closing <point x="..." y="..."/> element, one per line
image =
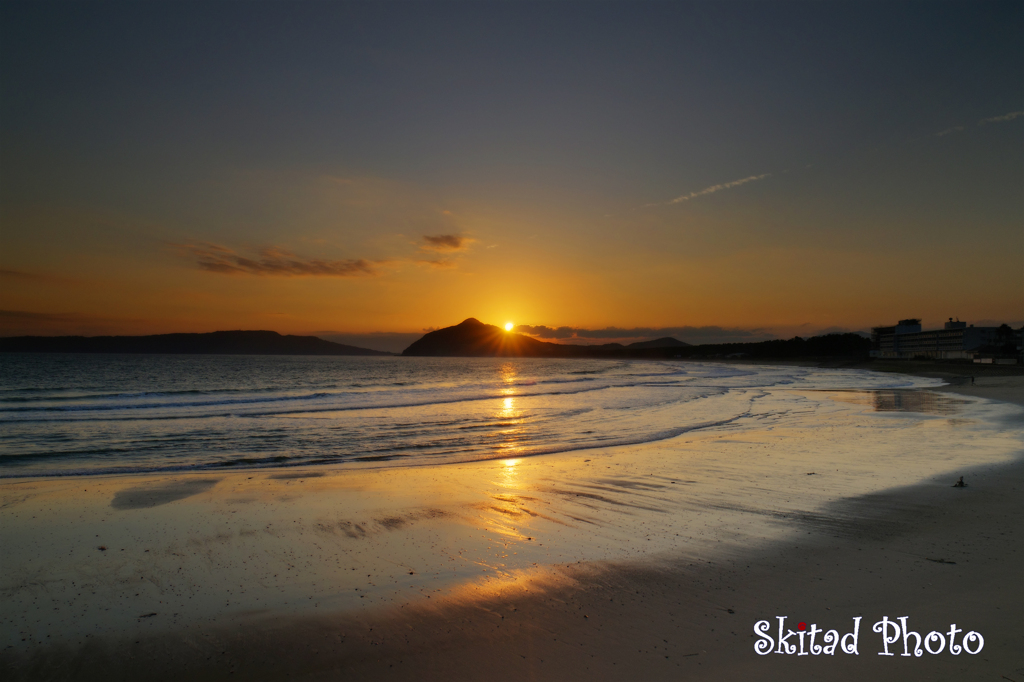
<point x="470" y="338"/>
<point x="212" y="343"/>
<point x="473" y="338"/>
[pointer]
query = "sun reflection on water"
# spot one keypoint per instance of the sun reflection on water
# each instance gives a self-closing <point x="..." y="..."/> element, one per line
<point x="511" y="435"/>
<point x="509" y="374"/>
<point x="508" y="408"/>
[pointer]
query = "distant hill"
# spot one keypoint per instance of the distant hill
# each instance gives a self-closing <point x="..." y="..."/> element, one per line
<point x="473" y="338"/>
<point x="666" y="342"/>
<point x="848" y="345"/>
<point x="212" y="343"/>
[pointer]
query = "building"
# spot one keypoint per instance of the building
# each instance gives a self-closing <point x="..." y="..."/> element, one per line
<point x="955" y="341"/>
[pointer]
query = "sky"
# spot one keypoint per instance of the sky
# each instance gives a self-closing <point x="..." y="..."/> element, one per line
<point x="368" y="171"/>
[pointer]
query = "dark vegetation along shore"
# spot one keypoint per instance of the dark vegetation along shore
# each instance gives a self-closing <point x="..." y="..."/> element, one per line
<point x="213" y="343"/>
<point x="473" y="338"/>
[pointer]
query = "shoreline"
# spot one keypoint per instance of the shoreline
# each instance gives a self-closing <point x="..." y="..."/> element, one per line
<point x="1004" y="383"/>
<point x="914" y="551"/>
<point x="665" y="615"/>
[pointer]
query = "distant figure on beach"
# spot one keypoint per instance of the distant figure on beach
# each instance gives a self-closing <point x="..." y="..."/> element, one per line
<point x="972" y="381"/>
<point x="960" y="483"/>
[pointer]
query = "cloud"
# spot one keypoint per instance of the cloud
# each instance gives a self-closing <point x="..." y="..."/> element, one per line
<point x="273" y="261"/>
<point x="949" y="131"/>
<point x="999" y="119"/>
<point x="544" y="332"/>
<point x="28" y="323"/>
<point x="35" y="277"/>
<point x="440" y="263"/>
<point x="694" y="335"/>
<point x="42" y="317"/>
<point x="445" y="242"/>
<point x="717" y="188"/>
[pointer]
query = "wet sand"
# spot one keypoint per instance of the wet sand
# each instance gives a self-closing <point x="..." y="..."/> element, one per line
<point x="627" y="563"/>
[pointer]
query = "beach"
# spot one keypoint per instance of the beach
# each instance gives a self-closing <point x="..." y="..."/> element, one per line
<point x="464" y="341"/>
<point x="652" y="560"/>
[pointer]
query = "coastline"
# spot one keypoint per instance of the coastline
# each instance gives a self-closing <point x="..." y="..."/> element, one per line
<point x="1004" y="383"/>
<point x="661" y="616"/>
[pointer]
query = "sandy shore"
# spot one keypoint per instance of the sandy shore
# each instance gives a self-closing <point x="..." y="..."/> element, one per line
<point x="994" y="382"/>
<point x="631" y="563"/>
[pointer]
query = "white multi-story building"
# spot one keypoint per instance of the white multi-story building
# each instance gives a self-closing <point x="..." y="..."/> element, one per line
<point x="956" y="340"/>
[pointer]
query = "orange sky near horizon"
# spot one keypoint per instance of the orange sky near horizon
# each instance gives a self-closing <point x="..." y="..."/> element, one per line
<point x="655" y="165"/>
<point x="130" y="282"/>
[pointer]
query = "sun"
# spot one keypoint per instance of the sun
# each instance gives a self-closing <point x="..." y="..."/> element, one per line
<point x="509" y="326"/>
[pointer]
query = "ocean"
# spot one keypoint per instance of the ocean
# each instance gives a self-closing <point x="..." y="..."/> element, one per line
<point x="151" y="496"/>
<point x="66" y="415"/>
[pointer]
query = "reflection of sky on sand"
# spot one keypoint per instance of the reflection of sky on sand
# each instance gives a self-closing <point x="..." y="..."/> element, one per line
<point x="508" y="473"/>
<point x="344" y="539"/>
<point x="894" y="400"/>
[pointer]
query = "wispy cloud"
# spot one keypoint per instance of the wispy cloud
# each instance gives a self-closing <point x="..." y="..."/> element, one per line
<point x="273" y="261"/>
<point x="715" y="188"/>
<point x="694" y="335"/>
<point x="949" y="131"/>
<point x="27" y="323"/>
<point x="35" y="277"/>
<point x="440" y="263"/>
<point x="27" y="315"/>
<point x="445" y="242"/>
<point x="999" y="119"/>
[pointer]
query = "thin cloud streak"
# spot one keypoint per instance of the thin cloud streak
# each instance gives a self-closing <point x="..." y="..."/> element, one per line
<point x="715" y="188"/>
<point x="694" y="335"/>
<point x="31" y="323"/>
<point x="999" y="119"/>
<point x="949" y="131"/>
<point x="35" y="277"/>
<point x="440" y="263"/>
<point x="273" y="261"/>
<point x="28" y="315"/>
<point x="445" y="243"/>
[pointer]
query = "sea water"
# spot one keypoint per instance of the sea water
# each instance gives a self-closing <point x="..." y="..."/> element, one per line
<point x="305" y="485"/>
<point x="74" y="414"/>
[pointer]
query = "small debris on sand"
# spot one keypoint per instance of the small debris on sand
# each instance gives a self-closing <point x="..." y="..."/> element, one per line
<point x="102" y="548"/>
<point x="960" y="483"/>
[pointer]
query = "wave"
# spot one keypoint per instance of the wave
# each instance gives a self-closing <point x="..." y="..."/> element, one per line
<point x="280" y="461"/>
<point x="275" y="413"/>
<point x="311" y="410"/>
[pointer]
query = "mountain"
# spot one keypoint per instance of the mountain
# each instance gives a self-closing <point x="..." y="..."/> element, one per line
<point x="473" y="338"/>
<point x="212" y="343"/>
<point x="476" y="339"/>
<point x="666" y="342"/>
